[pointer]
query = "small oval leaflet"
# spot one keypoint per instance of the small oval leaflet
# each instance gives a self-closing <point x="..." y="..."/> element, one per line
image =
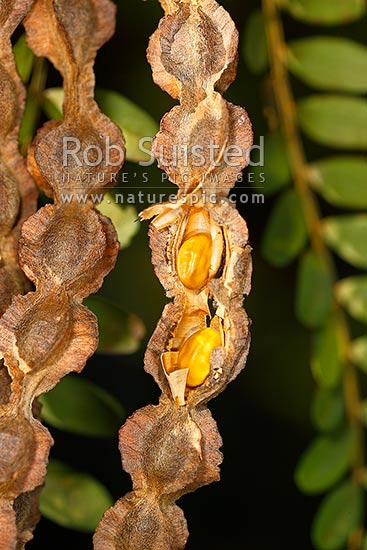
<point x="255" y="51"/>
<point x="286" y="234"/>
<point x="347" y="236"/>
<point x="339" y="515"/>
<point x="326" y="359"/>
<point x="326" y="12"/>
<point x="335" y="121"/>
<point x="325" y="462"/>
<point x="79" y="406"/>
<point x="327" y="410"/>
<point x="352" y="295"/>
<point x="314" y="290"/>
<point x="73" y="499"/>
<point x="329" y="63"/>
<point x="341" y="180"/>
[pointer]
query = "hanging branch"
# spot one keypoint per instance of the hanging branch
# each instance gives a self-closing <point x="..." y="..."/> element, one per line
<point x="287" y="111"/>
<point x="66" y="249"/>
<point x="201" y="255"/>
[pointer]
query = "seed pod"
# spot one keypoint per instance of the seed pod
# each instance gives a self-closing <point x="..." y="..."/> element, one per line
<point x="195" y="355"/>
<point x="66" y="248"/>
<point x="201" y="255"/>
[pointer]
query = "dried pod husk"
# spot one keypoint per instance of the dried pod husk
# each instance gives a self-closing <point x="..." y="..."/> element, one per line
<point x="18" y="200"/>
<point x="66" y="248"/>
<point x="18" y="197"/>
<point x="202" y="257"/>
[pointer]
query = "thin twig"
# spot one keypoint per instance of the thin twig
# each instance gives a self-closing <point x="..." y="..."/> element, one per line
<point x="33" y="105"/>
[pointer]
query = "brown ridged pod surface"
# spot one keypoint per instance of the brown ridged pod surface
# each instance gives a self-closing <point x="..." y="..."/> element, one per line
<point x="202" y="256"/>
<point x="66" y="249"/>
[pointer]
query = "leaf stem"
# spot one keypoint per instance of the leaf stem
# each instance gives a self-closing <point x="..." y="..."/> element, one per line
<point x="33" y="104"/>
<point x="287" y="111"/>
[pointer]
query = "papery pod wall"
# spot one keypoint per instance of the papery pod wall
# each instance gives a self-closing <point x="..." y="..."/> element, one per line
<point x="66" y="248"/>
<point x="201" y="255"/>
<point x="18" y="200"/>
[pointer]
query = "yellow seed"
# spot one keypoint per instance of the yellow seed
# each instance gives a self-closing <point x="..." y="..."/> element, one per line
<point x="194" y="259"/>
<point x="195" y="355"/>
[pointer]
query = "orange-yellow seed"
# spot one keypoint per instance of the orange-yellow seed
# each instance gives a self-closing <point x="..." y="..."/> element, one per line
<point x="195" y="355"/>
<point x="194" y="259"/>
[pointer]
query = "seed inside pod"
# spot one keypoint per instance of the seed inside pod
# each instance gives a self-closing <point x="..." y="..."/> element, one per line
<point x="195" y="355"/>
<point x="194" y="259"/>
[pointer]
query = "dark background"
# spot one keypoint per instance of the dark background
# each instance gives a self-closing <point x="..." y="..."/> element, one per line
<point x="264" y="415"/>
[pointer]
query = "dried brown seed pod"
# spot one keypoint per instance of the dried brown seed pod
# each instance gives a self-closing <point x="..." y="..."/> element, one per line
<point x="66" y="249"/>
<point x="201" y="255"/>
<point x="18" y="200"/>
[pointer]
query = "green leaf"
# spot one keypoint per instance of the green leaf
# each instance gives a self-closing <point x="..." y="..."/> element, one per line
<point x="364" y="543"/>
<point x="24" y="58"/>
<point x="326" y="360"/>
<point x="325" y="462"/>
<point x="342" y="181"/>
<point x="352" y="295"/>
<point x="124" y="218"/>
<point x="347" y="236"/>
<point x="119" y="331"/>
<point x="358" y="353"/>
<point x="314" y="290"/>
<point x="276" y="169"/>
<point x="330" y="63"/>
<point x="77" y="405"/>
<point x="74" y="500"/>
<point x="286" y="233"/>
<point x="255" y="50"/>
<point x="327" y="409"/>
<point x="52" y="100"/>
<point x="28" y="124"/>
<point x="335" y="121"/>
<point x="133" y="121"/>
<point x="326" y="12"/>
<point x="340" y="514"/>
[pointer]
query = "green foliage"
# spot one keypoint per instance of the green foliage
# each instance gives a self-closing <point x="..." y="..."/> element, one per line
<point x="327" y="409"/>
<point x="77" y="405"/>
<point x="73" y="499"/>
<point x="276" y="165"/>
<point x="330" y="63"/>
<point x="124" y="219"/>
<point x="352" y="295"/>
<point x="325" y="462"/>
<point x="333" y="120"/>
<point x="347" y="236"/>
<point x="254" y="48"/>
<point x="285" y="235"/>
<point x="338" y="66"/>
<point x="133" y="121"/>
<point x="24" y="58"/>
<point x="314" y="290"/>
<point x="326" y="12"/>
<point x="358" y="353"/>
<point x="339" y="515"/>
<point x="326" y="360"/>
<point x="52" y="101"/>
<point x="342" y="181"/>
<point x="119" y="331"/>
